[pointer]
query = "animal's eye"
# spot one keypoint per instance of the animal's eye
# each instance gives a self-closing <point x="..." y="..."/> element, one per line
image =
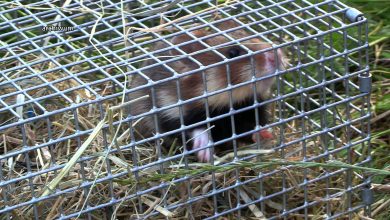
<point x="234" y="52"/>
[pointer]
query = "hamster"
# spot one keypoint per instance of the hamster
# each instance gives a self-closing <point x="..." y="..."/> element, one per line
<point x="211" y="79"/>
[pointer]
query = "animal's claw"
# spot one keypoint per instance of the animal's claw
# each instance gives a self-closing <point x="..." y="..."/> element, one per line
<point x="201" y="139"/>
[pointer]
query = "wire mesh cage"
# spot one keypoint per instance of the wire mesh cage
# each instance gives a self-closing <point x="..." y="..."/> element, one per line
<point x="183" y="109"/>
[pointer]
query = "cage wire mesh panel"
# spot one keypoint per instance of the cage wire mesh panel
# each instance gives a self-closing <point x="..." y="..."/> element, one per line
<point x="72" y="71"/>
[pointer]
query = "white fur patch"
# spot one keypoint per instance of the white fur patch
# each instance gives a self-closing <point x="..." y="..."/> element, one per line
<point x="165" y="98"/>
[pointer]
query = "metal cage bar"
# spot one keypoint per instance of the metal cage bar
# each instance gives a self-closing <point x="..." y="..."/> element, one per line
<point x="56" y="86"/>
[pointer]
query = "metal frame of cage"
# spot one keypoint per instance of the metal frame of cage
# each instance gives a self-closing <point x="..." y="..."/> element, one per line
<point x="22" y="108"/>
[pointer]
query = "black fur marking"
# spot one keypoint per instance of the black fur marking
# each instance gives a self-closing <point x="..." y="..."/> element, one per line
<point x="233" y="52"/>
<point x="244" y="121"/>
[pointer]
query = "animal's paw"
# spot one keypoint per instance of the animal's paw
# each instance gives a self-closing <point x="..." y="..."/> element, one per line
<point x="264" y="135"/>
<point x="200" y="140"/>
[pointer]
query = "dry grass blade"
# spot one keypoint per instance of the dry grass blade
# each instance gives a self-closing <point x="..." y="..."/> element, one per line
<point x="109" y="118"/>
<point x="252" y="207"/>
<point x="116" y="160"/>
<point x="157" y="10"/>
<point x="243" y="153"/>
<point x="381" y="207"/>
<point x="54" y="183"/>
<point x="161" y="27"/>
<point x="20" y="100"/>
<point x="154" y="205"/>
<point x="70" y="164"/>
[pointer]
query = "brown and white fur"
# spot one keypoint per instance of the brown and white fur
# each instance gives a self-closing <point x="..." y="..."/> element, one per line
<point x="193" y="85"/>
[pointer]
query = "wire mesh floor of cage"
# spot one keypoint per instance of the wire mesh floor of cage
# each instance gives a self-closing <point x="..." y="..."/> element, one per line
<point x="108" y="108"/>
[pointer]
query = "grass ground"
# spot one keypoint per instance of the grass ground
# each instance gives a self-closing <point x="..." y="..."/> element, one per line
<point x="378" y="13"/>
